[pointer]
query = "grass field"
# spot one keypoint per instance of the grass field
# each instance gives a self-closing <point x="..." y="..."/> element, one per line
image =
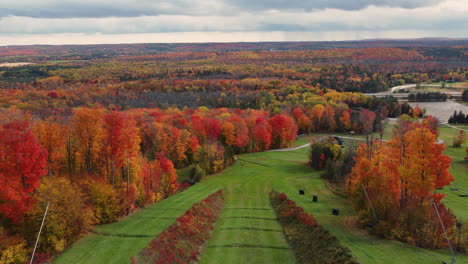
<point x="246" y="207"/>
<point x="459" y="170"/>
<point x="183" y="173"/>
<point x="247" y="231"/>
<point x="450" y="84"/>
<point x="368" y="249"/>
<point x="460" y="126"/>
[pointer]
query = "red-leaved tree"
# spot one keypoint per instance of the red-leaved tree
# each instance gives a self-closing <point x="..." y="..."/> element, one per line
<point x="22" y="164"/>
<point x="283" y="131"/>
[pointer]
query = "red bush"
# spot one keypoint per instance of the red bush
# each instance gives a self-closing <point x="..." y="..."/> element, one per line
<point x="181" y="242"/>
<point x="310" y="242"/>
<point x="289" y="209"/>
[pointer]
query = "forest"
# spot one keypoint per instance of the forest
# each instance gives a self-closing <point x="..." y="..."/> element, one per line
<point x="100" y="133"/>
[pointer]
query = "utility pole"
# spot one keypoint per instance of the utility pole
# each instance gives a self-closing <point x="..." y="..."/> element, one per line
<point x="445" y="232"/>
<point x="39" y="235"/>
<point x="370" y="205"/>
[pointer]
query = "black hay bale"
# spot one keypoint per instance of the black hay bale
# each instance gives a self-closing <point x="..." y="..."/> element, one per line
<point x="315" y="198"/>
<point x="454" y="189"/>
<point x="301" y="192"/>
<point x="335" y="211"/>
<point x="463" y="195"/>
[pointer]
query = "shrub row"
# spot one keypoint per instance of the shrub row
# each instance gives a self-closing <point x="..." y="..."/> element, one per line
<point x="427" y="97"/>
<point x="458" y="118"/>
<point x="182" y="241"/>
<point x="310" y="242"/>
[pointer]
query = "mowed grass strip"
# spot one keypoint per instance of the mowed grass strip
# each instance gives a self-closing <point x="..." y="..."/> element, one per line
<point x="117" y="242"/>
<point x="238" y="236"/>
<point x="246" y="188"/>
<point x="459" y="170"/>
<point x="289" y="177"/>
<point x="248" y="230"/>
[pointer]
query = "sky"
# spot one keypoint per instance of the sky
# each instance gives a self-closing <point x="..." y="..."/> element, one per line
<point x="24" y="22"/>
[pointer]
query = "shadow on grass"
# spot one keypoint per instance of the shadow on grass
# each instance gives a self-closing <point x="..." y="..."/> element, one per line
<point x="120" y="235"/>
<point x="265" y="209"/>
<point x="248" y="246"/>
<point x="251" y="228"/>
<point x="249" y="217"/>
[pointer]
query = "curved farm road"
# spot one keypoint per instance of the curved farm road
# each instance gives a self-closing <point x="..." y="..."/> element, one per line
<point x="308" y="144"/>
<point x="439" y="141"/>
<point x="454" y="127"/>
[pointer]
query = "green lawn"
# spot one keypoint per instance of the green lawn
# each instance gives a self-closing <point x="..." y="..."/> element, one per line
<point x="459" y="170"/>
<point x="461" y="126"/>
<point x="292" y="175"/>
<point x="247" y="206"/>
<point x="116" y="243"/>
<point x="304" y="139"/>
<point x="449" y="84"/>
<point x="183" y="173"/>
<point x="247" y="231"/>
<point x="301" y="140"/>
<point x="387" y="128"/>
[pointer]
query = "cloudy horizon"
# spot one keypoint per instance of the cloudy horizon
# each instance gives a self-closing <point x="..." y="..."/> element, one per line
<point x="26" y="22"/>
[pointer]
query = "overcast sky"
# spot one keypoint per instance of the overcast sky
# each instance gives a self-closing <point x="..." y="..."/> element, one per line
<point x="137" y="21"/>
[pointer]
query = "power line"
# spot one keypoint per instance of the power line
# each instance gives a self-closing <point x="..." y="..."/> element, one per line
<point x="39" y="235"/>
<point x="445" y="232"/>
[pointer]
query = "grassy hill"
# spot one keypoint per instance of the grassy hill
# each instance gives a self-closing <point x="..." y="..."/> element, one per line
<point x="459" y="170"/>
<point x="247" y="231"/>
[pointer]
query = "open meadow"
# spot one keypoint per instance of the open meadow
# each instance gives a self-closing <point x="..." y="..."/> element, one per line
<point x="247" y="231"/>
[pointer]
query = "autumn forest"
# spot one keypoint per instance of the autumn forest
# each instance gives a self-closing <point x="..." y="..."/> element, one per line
<point x="173" y="146"/>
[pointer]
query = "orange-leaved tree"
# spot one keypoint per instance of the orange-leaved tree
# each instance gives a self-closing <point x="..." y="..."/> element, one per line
<point x="401" y="179"/>
<point x="122" y="146"/>
<point x="52" y="135"/>
<point x="87" y="137"/>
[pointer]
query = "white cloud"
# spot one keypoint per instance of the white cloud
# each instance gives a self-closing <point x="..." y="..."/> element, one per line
<point x="211" y="18"/>
<point x="110" y="8"/>
<point x="203" y="37"/>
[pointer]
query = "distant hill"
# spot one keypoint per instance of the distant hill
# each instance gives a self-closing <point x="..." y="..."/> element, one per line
<point x="67" y="52"/>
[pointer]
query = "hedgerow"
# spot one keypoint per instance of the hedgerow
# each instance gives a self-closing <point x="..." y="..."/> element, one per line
<point x="183" y="241"/>
<point x="310" y="242"/>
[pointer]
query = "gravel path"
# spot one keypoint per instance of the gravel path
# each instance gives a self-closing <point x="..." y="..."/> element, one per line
<point x="289" y="149"/>
<point x="308" y="144"/>
<point x="439" y="141"/>
<point x="454" y="127"/>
